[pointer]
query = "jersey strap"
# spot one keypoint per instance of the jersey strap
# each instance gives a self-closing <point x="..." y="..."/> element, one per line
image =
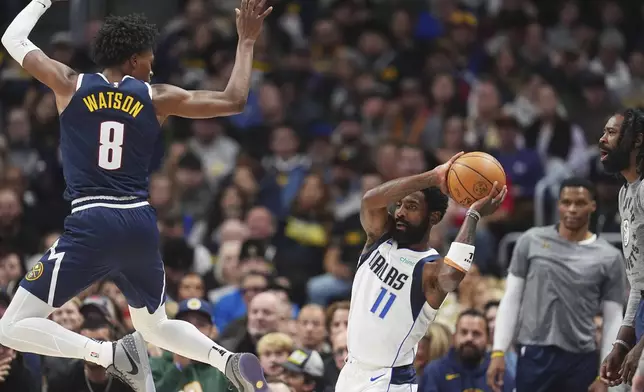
<point x="417" y="295"/>
<point x="367" y="252"/>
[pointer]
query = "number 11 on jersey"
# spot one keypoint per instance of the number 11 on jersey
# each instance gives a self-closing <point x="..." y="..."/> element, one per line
<point x="385" y="309"/>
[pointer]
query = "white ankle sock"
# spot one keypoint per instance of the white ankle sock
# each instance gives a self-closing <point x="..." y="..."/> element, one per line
<point x="218" y="357"/>
<point x="100" y="353"/>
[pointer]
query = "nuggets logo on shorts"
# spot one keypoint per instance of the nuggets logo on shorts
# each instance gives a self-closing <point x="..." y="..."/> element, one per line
<point x="35" y="272"/>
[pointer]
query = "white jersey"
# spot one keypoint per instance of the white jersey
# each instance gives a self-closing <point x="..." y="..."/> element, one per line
<point x="389" y="314"/>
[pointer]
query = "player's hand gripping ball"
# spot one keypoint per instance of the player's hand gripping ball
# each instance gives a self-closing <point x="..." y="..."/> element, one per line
<point x="471" y="177"/>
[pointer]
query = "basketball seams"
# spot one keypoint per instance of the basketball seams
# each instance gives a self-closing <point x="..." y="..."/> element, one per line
<point x="486" y="157"/>
<point x="462" y="186"/>
<point x="475" y="171"/>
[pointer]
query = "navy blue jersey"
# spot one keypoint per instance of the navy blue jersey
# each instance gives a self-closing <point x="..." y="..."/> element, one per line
<point x="109" y="136"/>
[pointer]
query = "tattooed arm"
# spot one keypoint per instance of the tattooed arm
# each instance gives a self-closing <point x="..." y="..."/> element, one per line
<point x="444" y="275"/>
<point x="373" y="211"/>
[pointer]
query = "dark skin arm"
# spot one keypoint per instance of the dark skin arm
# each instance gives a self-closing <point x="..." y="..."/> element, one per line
<point x="57" y="76"/>
<point x="175" y="101"/>
<point x="375" y="218"/>
<point x="441" y="278"/>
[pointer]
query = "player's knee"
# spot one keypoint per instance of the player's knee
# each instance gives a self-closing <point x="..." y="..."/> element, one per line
<point x="146" y="323"/>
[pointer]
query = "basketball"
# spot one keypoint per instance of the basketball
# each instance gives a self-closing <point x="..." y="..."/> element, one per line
<point x="471" y="177"/>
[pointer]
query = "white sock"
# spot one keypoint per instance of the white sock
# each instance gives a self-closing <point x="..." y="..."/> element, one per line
<point x="179" y="337"/>
<point x="100" y="353"/>
<point x="218" y="357"/>
<point x="25" y="327"/>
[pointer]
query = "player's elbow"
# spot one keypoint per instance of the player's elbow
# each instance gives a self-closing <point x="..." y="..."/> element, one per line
<point x="372" y="199"/>
<point x="235" y="103"/>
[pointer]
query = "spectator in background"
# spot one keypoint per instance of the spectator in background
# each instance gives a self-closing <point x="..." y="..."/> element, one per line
<point x="340" y="259"/>
<point x="434" y="344"/>
<point x="303" y="371"/>
<point x="263" y="318"/>
<point x="286" y="165"/>
<point x="14" y="230"/>
<point x="273" y="349"/>
<point x="337" y="317"/>
<point x="192" y="187"/>
<point x="464" y="367"/>
<point x="558" y="142"/>
<point x="22" y="151"/>
<point x="218" y="152"/>
<point x="523" y="167"/>
<point x="191" y="285"/>
<point x="311" y="329"/>
<point x="224" y="276"/>
<point x="305" y="235"/>
<point x="161" y="194"/>
<point x="84" y="376"/>
<point x="333" y="364"/>
<point x="172" y="372"/>
<point x="233" y="306"/>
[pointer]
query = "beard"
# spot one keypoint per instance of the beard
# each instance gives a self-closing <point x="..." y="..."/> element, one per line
<point x="412" y="234"/>
<point x="469" y="354"/>
<point x="616" y="160"/>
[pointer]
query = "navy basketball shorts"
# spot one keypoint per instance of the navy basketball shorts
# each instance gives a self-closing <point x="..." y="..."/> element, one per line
<point x="550" y="369"/>
<point x="112" y="239"/>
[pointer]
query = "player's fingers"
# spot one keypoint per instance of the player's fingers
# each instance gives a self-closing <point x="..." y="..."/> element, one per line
<point x="244" y="5"/>
<point x="251" y="6"/>
<point x="455" y="157"/>
<point x="266" y="13"/>
<point x="491" y="193"/>
<point x="237" y="12"/>
<point x="259" y="7"/>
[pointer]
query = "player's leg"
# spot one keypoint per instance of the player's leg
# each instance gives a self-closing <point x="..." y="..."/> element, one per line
<point x="142" y="282"/>
<point x="536" y="369"/>
<point x="56" y="278"/>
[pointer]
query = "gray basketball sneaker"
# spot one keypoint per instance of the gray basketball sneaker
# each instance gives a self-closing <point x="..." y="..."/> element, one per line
<point x="130" y="363"/>
<point x="246" y="373"/>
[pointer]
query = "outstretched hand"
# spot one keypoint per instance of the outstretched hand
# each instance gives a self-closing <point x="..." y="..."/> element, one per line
<point x="443" y="170"/>
<point x="489" y="204"/>
<point x="250" y="17"/>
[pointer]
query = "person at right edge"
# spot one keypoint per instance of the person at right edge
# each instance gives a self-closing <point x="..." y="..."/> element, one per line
<point x="560" y="277"/>
<point x="622" y="152"/>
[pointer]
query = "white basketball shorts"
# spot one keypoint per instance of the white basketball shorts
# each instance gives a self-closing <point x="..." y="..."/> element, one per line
<point x="356" y="377"/>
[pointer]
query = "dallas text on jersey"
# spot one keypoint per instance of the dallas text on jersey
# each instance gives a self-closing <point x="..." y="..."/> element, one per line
<point x="387" y="273"/>
<point x="113" y="100"/>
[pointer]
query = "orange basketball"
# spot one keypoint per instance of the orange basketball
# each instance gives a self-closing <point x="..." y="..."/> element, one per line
<point x="471" y="177"/>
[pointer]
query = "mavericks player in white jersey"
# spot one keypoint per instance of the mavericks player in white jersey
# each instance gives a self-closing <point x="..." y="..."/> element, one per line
<point x="401" y="281"/>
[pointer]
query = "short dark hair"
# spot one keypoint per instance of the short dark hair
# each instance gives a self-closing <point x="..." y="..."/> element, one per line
<point x="94" y="323"/>
<point x="577" y="182"/>
<point x="633" y="125"/>
<point x="121" y="37"/>
<point x="436" y="200"/>
<point x="491" y="304"/>
<point x="474" y="313"/>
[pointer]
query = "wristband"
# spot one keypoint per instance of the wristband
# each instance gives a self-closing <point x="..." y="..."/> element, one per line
<point x="460" y="256"/>
<point x="622" y="343"/>
<point x="497" y="354"/>
<point x="473" y="214"/>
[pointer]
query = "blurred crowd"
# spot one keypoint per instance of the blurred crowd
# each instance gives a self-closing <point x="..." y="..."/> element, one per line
<point x="259" y="212"/>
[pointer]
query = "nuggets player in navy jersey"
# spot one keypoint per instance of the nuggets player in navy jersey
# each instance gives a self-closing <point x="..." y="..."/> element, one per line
<point x="110" y="130"/>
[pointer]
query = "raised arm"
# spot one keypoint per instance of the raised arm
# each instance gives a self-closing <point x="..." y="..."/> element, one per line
<point x="374" y="216"/>
<point x="175" y="101"/>
<point x="444" y="276"/>
<point x="55" y="75"/>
